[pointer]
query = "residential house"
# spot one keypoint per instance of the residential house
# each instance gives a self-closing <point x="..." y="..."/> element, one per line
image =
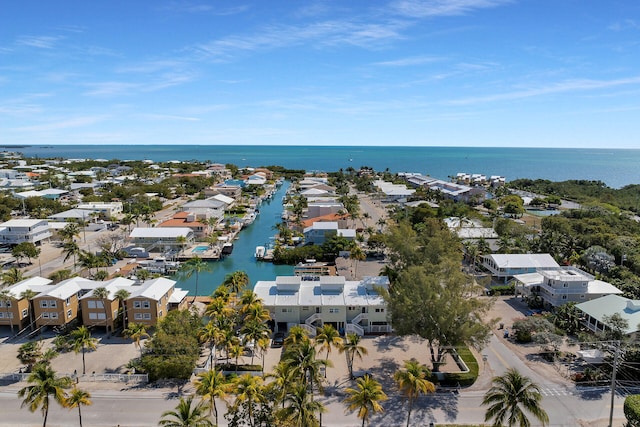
<point x="505" y="266"/>
<point x="349" y="306"/>
<point x="562" y="285"/>
<point x="105" y="210"/>
<point x="598" y="310"/>
<point x="103" y="312"/>
<point x="188" y="220"/>
<point x="319" y="232"/>
<point x="162" y="238"/>
<point x="150" y="301"/>
<point x="17" y="231"/>
<point x="17" y="310"/>
<point x="206" y="209"/>
<point x="59" y="305"/>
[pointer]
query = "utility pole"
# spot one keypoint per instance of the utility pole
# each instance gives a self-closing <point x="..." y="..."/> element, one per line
<point x="613" y="380"/>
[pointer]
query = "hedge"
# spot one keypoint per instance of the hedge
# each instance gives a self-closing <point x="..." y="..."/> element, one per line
<point x="632" y="410"/>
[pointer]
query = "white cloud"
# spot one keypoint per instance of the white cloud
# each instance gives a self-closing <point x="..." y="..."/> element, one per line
<point x="41" y="42"/>
<point x="429" y="8"/>
<point x="62" y="124"/>
<point x="410" y="61"/>
<point x="561" y="87"/>
<point x="111" y="88"/>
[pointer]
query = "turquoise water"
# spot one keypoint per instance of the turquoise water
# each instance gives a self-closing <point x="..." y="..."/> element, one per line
<point x="614" y="167"/>
<point x="199" y="249"/>
<point x="243" y="256"/>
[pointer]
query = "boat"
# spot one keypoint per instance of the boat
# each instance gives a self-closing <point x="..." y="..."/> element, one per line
<point x="260" y="251"/>
<point x="227" y="248"/>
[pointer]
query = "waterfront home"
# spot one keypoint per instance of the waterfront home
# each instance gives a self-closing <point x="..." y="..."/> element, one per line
<point x="449" y="190"/>
<point x="49" y="193"/>
<point x="320" y="231"/>
<point x="393" y="192"/>
<point x="188" y="220"/>
<point x="103" y="312"/>
<point x="207" y="208"/>
<point x="17" y="231"/>
<point x="162" y="238"/>
<point x="16" y="310"/>
<point x="349" y="306"/>
<point x="232" y="191"/>
<point x="150" y="301"/>
<point x="321" y="208"/>
<point x="505" y="266"/>
<point x="596" y="311"/>
<point x="562" y="285"/>
<point x="58" y="305"/>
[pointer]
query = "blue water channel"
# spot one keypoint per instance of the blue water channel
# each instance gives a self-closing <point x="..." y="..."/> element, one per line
<point x="243" y="257"/>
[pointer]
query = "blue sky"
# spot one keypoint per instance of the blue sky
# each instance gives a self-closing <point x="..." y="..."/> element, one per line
<point x="536" y="73"/>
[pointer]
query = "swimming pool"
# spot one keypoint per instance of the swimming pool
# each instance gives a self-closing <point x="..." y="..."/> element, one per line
<point x="199" y="249"/>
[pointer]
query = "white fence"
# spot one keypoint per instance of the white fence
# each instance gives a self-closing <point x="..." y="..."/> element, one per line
<point x="123" y="378"/>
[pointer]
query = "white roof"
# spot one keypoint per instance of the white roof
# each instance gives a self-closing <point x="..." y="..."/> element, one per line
<point x="322" y="225"/>
<point x="529" y="279"/>
<point x="112" y="286"/>
<point x="161" y="232"/>
<point x="222" y="198"/>
<point x="600" y="287"/>
<point x="153" y="289"/>
<point x="178" y="295"/>
<point x="332" y="291"/>
<point x="69" y="287"/>
<point x="524" y="260"/>
<point x="23" y="222"/>
<point x="606" y="306"/>
<point x="36" y="284"/>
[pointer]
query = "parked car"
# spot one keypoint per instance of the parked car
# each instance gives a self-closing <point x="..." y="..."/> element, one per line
<point x="278" y="340"/>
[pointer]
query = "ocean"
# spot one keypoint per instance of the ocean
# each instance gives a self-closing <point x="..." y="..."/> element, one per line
<point x="615" y="167"/>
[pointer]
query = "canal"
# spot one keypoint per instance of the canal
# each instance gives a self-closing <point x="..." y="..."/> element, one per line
<point x="242" y="258"/>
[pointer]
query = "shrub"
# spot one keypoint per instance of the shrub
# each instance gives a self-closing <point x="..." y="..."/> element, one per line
<point x="463" y="379"/>
<point x="632" y="410"/>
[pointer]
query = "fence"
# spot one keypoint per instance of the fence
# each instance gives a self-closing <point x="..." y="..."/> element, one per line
<point x="124" y="378"/>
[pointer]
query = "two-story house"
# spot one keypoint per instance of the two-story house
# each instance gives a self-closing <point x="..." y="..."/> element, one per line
<point x="17" y="231"/>
<point x="150" y="302"/>
<point x="103" y="312"/>
<point x="16" y="310"/>
<point x="349" y="306"/>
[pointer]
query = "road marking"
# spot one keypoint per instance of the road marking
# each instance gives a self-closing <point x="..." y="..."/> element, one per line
<point x="500" y="359"/>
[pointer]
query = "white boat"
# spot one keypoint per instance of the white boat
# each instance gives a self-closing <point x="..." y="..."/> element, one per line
<point x="260" y="251"/>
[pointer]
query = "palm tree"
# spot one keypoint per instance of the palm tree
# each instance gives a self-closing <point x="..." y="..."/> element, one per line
<point x="303" y="358"/>
<point x="30" y="353"/>
<point x="71" y="249"/>
<point x="284" y="377"/>
<point x="60" y="275"/>
<point x="69" y="232"/>
<point x="182" y="241"/>
<point x="195" y="265"/>
<point x="103" y="294"/>
<point x="300" y="408"/>
<point x="412" y="381"/>
<point x="136" y="332"/>
<point x="187" y="416"/>
<point x="365" y="398"/>
<point x="45" y="384"/>
<point x="254" y="331"/>
<point x="357" y="254"/>
<point x="211" y="385"/>
<point x="81" y="340"/>
<point x="510" y="396"/>
<point x="12" y="276"/>
<point x="235" y="350"/>
<point x="76" y="399"/>
<point x="210" y="333"/>
<point x="29" y="294"/>
<point x="353" y="349"/>
<point x="236" y="281"/>
<point x="328" y="337"/>
<point x="7" y="300"/>
<point x="297" y="336"/>
<point x="122" y="295"/>
<point x="249" y="390"/>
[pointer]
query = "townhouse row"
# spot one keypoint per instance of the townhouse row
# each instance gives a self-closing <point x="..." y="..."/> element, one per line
<point x="35" y="300"/>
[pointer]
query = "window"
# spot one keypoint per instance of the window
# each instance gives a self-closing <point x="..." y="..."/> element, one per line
<point x="69" y="313"/>
<point x="44" y="303"/>
<point x="53" y="315"/>
<point x="160" y="313"/>
<point x="379" y="310"/>
<point x="147" y="316"/>
<point x="45" y="315"/>
<point x="95" y="316"/>
<point x="8" y="303"/>
<point x="138" y="316"/>
<point x="564" y="297"/>
<point x="137" y="304"/>
<point x="334" y="310"/>
<point x="305" y="308"/>
<point x="287" y="310"/>
<point x="91" y="304"/>
<point x="145" y="304"/>
<point x="582" y="296"/>
<point x="53" y="303"/>
<point x="99" y="304"/>
<point x="1" y="315"/>
<point x="565" y="285"/>
<point x="67" y="301"/>
<point x="25" y="312"/>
